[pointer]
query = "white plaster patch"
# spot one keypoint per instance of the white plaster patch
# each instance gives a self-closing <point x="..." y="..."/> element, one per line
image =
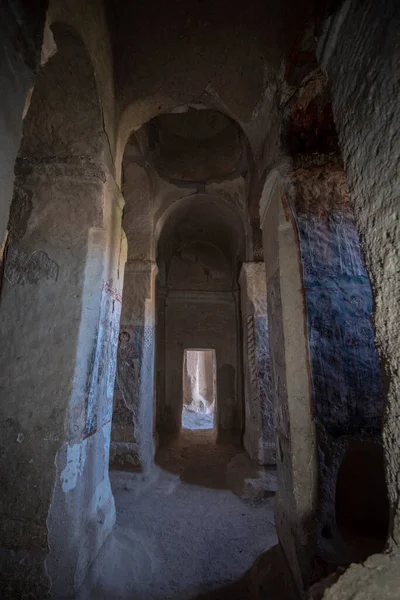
<point x="76" y="455"/>
<point x="107" y="440"/>
<point x="101" y="497"/>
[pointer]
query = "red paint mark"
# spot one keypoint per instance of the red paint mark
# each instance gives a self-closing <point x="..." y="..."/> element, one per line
<point x="88" y="435"/>
<point x="114" y="294"/>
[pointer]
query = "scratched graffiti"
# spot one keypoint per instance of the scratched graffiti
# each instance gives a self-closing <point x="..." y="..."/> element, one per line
<point x="104" y="357"/>
<point x="347" y="385"/>
<point x="263" y="361"/>
<point x="264" y="368"/>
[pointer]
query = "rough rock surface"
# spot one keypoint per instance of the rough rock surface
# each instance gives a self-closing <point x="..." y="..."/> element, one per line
<point x="376" y="579"/>
<point x="359" y="52"/>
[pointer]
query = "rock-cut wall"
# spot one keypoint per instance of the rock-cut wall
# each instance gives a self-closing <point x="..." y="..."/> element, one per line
<point x="346" y="379"/>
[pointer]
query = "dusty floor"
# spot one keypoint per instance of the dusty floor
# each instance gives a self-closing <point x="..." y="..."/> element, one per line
<point x="201" y="528"/>
<point x="196" y="420"/>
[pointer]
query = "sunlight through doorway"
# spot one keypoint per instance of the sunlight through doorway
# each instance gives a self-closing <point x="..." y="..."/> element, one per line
<point x="199" y="389"/>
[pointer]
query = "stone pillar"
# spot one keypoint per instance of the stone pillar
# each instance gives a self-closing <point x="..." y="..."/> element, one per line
<point x="132" y="433"/>
<point x="160" y="360"/>
<point x="291" y="385"/>
<point x="259" y="432"/>
<point x="59" y="321"/>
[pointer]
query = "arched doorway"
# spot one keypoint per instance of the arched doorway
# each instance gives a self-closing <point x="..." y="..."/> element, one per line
<point x="199" y="389"/>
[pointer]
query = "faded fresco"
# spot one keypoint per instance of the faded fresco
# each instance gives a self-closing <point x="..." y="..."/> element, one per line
<point x="102" y="374"/>
<point x="347" y="385"/>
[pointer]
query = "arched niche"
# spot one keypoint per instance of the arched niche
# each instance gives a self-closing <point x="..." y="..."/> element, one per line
<point x="59" y="318"/>
<point x="208" y="217"/>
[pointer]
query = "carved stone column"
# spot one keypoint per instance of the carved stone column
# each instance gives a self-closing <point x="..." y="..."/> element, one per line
<point x="59" y="321"/>
<point x="132" y="432"/>
<point x="297" y="470"/>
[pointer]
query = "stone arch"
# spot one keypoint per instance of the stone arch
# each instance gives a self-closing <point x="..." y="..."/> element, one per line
<point x="225" y="210"/>
<point x="59" y="318"/>
<point x="138" y="114"/>
<point x="144" y="203"/>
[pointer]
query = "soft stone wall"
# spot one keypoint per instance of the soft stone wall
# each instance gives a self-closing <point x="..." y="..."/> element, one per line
<point x="346" y="378"/>
<point x="347" y="385"/>
<point x="23" y="32"/>
<point x="89" y="20"/>
<point x="360" y="53"/>
<point x="366" y="114"/>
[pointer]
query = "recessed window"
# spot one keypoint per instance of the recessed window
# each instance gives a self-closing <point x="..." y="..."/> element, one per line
<point x="199" y="389"/>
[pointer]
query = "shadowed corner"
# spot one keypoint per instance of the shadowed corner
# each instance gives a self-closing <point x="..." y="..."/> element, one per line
<point x="268" y="578"/>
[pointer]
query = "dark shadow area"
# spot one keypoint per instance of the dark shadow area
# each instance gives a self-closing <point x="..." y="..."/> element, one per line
<point x="268" y="578"/>
<point x="362" y="507"/>
<point x="202" y="458"/>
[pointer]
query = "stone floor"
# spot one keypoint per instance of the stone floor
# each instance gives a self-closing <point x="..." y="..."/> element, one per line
<point x="201" y="528"/>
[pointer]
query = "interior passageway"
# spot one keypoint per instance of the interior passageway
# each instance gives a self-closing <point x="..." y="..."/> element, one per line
<point x="201" y="527"/>
<point x="199" y="261"/>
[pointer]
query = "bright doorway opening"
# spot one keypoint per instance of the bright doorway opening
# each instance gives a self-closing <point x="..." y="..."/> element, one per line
<point x="199" y="389"/>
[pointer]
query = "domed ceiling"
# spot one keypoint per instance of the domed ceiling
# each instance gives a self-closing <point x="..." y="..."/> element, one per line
<point x="195" y="145"/>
